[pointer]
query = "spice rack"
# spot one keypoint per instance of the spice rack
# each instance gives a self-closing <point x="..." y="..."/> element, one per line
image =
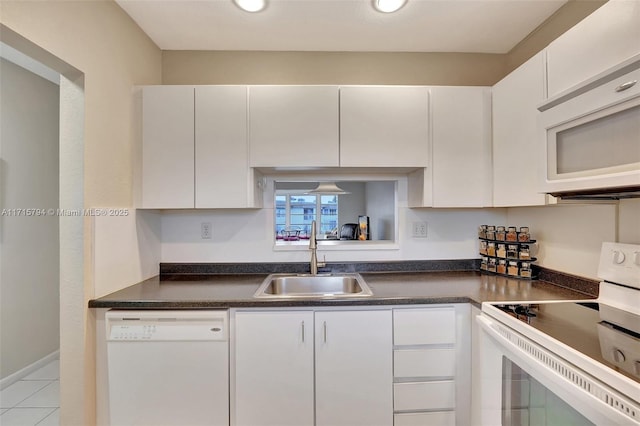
<point x="506" y="251"/>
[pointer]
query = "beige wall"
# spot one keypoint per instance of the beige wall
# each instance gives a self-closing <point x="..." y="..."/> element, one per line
<point x="99" y="39"/>
<point x="220" y="67"/>
<point x="454" y="69"/>
<point x="566" y="17"/>
<point x="29" y="247"/>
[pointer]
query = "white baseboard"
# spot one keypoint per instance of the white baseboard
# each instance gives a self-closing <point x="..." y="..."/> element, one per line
<point x="20" y="374"/>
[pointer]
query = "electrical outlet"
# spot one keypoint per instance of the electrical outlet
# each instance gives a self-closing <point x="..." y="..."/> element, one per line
<point x="419" y="230"/>
<point x="205" y="230"/>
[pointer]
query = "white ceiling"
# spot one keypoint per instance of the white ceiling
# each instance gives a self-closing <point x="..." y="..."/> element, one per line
<point x="488" y="26"/>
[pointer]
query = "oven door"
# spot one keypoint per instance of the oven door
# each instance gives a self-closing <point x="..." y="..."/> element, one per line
<point x="524" y="384"/>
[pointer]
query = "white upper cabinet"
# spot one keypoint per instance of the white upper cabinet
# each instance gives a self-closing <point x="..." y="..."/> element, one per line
<point x="461" y="152"/>
<point x="605" y="38"/>
<point x="167" y="147"/>
<point x="223" y="178"/>
<point x="384" y="126"/>
<point x="195" y="149"/>
<point x="516" y="136"/>
<point x="293" y="126"/>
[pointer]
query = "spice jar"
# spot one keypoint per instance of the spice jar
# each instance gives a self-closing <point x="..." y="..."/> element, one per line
<point x="491" y="248"/>
<point x="501" y="251"/>
<point x="483" y="247"/>
<point x="502" y="266"/>
<point x="513" y="268"/>
<point x="500" y="233"/>
<point x="512" y="251"/>
<point x="524" y="253"/>
<point x="523" y="235"/>
<point x="482" y="231"/>
<point x="484" y="260"/>
<point x="491" y="232"/>
<point x="512" y="234"/>
<point x="491" y="266"/>
<point x="525" y="270"/>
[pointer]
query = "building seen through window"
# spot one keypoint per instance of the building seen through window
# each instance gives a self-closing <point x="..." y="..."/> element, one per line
<point x="295" y="212"/>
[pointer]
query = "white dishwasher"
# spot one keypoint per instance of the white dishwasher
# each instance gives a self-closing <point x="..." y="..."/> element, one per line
<point x="168" y="368"/>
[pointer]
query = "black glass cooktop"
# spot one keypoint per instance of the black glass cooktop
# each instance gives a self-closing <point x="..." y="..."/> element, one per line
<point x="608" y="335"/>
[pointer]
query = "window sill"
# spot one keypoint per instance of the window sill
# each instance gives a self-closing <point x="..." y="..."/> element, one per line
<point x="336" y="245"/>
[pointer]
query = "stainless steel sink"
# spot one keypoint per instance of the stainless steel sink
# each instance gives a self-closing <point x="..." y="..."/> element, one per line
<point x="279" y="286"/>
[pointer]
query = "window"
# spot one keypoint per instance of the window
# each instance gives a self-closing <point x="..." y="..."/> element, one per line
<point x="295" y="212"/>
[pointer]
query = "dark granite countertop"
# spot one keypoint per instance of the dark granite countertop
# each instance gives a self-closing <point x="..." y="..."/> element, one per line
<point x="221" y="291"/>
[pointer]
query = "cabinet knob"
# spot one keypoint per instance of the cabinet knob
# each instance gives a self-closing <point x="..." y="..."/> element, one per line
<point x="618" y="355"/>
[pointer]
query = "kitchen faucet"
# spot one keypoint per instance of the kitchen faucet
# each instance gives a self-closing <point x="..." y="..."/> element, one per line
<point x="313" y="246"/>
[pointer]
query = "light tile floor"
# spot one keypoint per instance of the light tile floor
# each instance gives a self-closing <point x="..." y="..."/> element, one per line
<point x="34" y="400"/>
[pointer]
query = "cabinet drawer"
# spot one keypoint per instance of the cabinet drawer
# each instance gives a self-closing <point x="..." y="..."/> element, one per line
<point x="424" y="363"/>
<point x="424" y="326"/>
<point x="424" y="396"/>
<point x="438" y="418"/>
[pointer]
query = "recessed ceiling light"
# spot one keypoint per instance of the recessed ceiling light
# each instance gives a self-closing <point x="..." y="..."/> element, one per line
<point x="388" y="6"/>
<point x="251" y="5"/>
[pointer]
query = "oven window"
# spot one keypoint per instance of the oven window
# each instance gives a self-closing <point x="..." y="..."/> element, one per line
<point x="526" y="402"/>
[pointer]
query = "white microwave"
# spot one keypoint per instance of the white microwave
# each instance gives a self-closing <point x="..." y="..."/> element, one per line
<point x="591" y="135"/>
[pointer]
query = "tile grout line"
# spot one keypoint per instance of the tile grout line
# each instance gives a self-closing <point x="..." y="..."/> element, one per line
<point x="48" y="415"/>
<point x="29" y="396"/>
<point x="51" y="382"/>
<point x="49" y="411"/>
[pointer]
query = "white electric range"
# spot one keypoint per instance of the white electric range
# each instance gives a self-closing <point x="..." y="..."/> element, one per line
<point x="566" y="363"/>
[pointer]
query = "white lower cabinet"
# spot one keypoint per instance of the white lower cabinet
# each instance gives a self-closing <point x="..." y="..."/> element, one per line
<point x="431" y="365"/>
<point x="436" y="395"/>
<point x="436" y="418"/>
<point x="354" y="368"/>
<point x="409" y="363"/>
<point x="277" y="370"/>
<point x="274" y="368"/>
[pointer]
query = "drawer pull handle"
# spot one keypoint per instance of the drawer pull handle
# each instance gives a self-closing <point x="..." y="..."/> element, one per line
<point x="625" y="86"/>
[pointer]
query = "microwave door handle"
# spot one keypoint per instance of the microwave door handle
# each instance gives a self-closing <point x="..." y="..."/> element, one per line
<point x="625" y="86"/>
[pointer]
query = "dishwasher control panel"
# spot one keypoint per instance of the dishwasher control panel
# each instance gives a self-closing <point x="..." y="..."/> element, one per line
<point x="133" y="332"/>
<point x="163" y="326"/>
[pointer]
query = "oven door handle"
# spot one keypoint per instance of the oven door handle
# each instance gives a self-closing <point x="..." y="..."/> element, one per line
<point x="566" y="381"/>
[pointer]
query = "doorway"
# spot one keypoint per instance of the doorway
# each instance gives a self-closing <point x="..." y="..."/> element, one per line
<point x="51" y="173"/>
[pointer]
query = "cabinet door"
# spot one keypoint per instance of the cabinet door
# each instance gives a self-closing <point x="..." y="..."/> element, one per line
<point x="274" y="368"/>
<point x="433" y="418"/>
<point x="223" y="178"/>
<point x="354" y="378"/>
<point x="603" y="39"/>
<point x="293" y="126"/>
<point x="461" y="157"/>
<point x="384" y="126"/>
<point x="167" y="147"/>
<point x="515" y="135"/>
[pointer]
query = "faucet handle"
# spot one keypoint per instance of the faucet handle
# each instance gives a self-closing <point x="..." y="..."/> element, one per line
<point x="324" y="262"/>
